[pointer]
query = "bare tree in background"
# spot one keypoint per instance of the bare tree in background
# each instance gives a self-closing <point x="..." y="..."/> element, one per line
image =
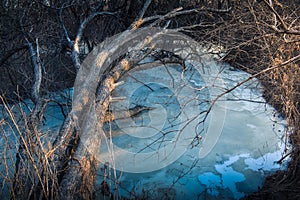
<point x="43" y="44"/>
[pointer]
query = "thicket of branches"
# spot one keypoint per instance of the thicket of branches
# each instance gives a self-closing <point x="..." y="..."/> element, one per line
<point x="44" y="42"/>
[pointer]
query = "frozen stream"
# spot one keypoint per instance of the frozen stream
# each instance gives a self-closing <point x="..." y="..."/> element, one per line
<point x="237" y="146"/>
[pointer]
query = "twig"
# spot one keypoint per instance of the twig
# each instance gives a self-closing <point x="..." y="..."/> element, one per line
<point x="277" y="15"/>
<point x="174" y="13"/>
<point x="70" y="43"/>
<point x="179" y="11"/>
<point x="28" y="152"/>
<point x="285" y="27"/>
<point x="248" y="79"/>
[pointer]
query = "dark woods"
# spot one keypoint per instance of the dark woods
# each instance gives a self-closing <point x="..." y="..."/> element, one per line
<point x="43" y="43"/>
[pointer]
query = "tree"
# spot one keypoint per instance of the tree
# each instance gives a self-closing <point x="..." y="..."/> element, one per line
<point x="260" y="34"/>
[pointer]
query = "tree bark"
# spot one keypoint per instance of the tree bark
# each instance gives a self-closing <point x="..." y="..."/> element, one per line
<point x="90" y="103"/>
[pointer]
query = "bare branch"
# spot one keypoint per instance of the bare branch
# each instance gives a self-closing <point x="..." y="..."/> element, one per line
<point x="179" y="11"/>
<point x="250" y="78"/>
<point x="75" y="45"/>
<point x="145" y="7"/>
<point x="139" y="19"/>
<point x="285" y="27"/>
<point x="35" y="57"/>
<point x="277" y="15"/>
<point x="75" y="52"/>
<point x="70" y="43"/>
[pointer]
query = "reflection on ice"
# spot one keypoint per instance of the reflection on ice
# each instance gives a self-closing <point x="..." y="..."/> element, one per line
<point x="227" y="177"/>
<point x="230" y="177"/>
<point x="212" y="182"/>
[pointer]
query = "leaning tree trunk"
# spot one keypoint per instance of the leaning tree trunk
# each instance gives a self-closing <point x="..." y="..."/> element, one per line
<point x="90" y="103"/>
<point x="96" y="79"/>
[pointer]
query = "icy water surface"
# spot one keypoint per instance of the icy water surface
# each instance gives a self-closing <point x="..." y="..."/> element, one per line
<point x="251" y="139"/>
<point x="227" y="162"/>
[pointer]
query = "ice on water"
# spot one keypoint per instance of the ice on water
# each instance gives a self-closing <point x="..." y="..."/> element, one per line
<point x="251" y="141"/>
